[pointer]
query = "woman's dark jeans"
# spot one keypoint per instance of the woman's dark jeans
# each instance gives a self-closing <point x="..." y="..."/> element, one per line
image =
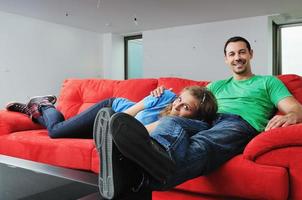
<point x="79" y="126"/>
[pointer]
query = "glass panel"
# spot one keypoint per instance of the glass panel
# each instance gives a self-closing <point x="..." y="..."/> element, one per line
<point x="135" y="58"/>
<point x="291" y="50"/>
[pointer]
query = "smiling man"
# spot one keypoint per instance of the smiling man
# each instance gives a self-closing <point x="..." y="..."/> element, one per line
<point x="237" y="56"/>
<point x="253" y="97"/>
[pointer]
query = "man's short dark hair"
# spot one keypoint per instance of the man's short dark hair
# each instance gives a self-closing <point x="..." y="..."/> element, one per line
<point x="237" y="39"/>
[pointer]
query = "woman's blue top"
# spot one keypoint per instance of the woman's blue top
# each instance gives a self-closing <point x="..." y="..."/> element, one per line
<point x="153" y="106"/>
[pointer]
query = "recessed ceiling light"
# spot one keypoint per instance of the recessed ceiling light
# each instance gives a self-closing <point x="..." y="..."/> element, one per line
<point x="98" y="4"/>
<point x="135" y="20"/>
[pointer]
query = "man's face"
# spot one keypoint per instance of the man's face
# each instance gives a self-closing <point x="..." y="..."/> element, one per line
<point x="238" y="58"/>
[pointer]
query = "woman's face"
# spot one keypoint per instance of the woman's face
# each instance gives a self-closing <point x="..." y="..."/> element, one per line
<point x="185" y="105"/>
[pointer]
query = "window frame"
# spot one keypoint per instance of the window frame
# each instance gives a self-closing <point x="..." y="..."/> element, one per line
<point x="126" y="40"/>
<point x="277" y="47"/>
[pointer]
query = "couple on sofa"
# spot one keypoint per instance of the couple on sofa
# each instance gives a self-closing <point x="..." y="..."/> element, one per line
<point x="188" y="140"/>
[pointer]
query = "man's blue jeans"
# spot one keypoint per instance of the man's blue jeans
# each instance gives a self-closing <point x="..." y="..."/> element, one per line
<point x="79" y="126"/>
<point x="198" y="148"/>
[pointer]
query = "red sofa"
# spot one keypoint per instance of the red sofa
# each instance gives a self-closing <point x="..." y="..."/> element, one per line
<point x="269" y="168"/>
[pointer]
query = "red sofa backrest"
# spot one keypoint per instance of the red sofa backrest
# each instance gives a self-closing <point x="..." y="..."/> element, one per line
<point x="78" y="94"/>
<point x="294" y="84"/>
<point x="177" y="84"/>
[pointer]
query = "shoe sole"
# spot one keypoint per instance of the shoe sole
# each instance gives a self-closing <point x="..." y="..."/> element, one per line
<point x="133" y="141"/>
<point x="53" y="101"/>
<point x="103" y="141"/>
<point x="9" y="105"/>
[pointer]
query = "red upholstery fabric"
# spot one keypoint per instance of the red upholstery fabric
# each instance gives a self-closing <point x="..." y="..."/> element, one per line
<point x="288" y="158"/>
<point x="273" y="139"/>
<point x="178" y="195"/>
<point x="37" y="146"/>
<point x="95" y="161"/>
<point x="280" y="147"/>
<point x="184" y="195"/>
<point x="135" y="89"/>
<point x="241" y="178"/>
<point x="177" y="84"/>
<point x="77" y="95"/>
<point x="11" y="122"/>
<point x="294" y="84"/>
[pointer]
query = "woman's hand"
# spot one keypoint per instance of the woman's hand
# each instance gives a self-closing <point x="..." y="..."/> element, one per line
<point x="158" y="91"/>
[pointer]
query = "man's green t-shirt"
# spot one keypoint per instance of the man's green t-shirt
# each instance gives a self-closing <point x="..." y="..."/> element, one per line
<point x="254" y="99"/>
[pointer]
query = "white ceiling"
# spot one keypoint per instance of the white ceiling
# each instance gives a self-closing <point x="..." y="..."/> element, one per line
<point x="117" y="16"/>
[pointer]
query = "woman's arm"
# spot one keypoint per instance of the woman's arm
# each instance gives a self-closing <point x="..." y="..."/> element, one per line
<point x="152" y="126"/>
<point x="133" y="110"/>
<point x="147" y="102"/>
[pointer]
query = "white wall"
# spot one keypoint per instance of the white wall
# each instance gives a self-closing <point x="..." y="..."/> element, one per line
<point x="196" y="51"/>
<point x="113" y="56"/>
<point x="36" y="56"/>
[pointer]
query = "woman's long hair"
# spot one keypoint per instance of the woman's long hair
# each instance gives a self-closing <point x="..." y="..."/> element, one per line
<point x="207" y="106"/>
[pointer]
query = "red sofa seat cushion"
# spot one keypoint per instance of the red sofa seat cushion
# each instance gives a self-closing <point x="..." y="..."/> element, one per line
<point x="36" y="145"/>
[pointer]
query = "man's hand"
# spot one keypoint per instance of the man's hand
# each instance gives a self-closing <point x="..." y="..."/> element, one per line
<point x="281" y="121"/>
<point x="158" y="91"/>
<point x="293" y="114"/>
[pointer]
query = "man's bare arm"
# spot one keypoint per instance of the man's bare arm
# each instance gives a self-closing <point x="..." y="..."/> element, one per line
<point x="292" y="110"/>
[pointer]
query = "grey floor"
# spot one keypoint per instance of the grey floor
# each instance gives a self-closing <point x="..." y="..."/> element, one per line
<point x="16" y="183"/>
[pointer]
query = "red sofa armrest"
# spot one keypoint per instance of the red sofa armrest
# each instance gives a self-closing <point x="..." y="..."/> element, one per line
<point x="278" y="138"/>
<point x="12" y="122"/>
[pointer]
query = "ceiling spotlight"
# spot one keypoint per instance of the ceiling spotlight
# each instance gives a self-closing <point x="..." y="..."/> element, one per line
<point x="98" y="4"/>
<point x="135" y="20"/>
